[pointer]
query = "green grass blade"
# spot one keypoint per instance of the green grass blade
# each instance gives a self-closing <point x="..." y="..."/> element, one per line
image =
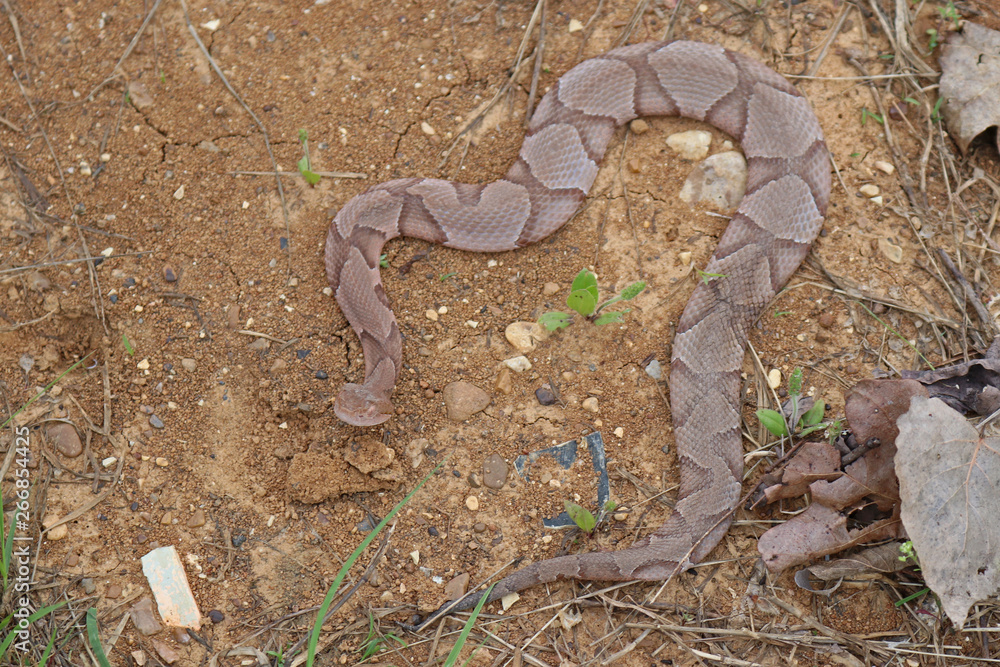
<point x="457" y="648"/>
<point x="349" y="563"/>
<point x="42" y="392"/>
<point x="48" y="649"/>
<point x="94" y="638"/>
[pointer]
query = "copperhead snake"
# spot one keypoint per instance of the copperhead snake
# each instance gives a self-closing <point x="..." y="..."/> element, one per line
<point x="788" y="188"/>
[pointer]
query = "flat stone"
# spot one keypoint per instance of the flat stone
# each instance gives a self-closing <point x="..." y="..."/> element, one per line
<point x="144" y="617"/>
<point x="690" y="145"/>
<point x="113" y="592"/>
<point x="166" y="652"/>
<point x="495" y="471"/>
<point x="464" y="399"/>
<point x="719" y="181"/>
<point x="197" y="519"/>
<point x="504" y="382"/>
<point x="65" y="439"/>
<point x="189" y="365"/>
<point x="457" y="587"/>
<point x="525" y="336"/>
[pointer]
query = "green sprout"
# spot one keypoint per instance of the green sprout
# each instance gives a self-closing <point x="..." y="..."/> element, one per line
<point x="584" y="519"/>
<point x="808" y="422"/>
<point x="305" y="166"/>
<point x="583" y="299"/>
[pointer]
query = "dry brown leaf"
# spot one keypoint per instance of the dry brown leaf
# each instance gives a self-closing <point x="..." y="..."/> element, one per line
<point x="882" y="559"/>
<point x="970" y="83"/>
<point x="949" y="482"/>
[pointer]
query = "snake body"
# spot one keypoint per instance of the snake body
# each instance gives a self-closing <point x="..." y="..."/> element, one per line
<point x="788" y="188"/>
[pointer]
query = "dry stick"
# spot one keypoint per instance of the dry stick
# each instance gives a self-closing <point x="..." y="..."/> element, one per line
<point x="539" y="54"/>
<point x="325" y="174"/>
<point x="477" y="118"/>
<point x="15" y="26"/>
<point x="95" y="284"/>
<point x="970" y="294"/>
<point x="128" y="51"/>
<point x="628" y="205"/>
<point x="834" y="32"/>
<point x="633" y="21"/>
<point x="256" y="120"/>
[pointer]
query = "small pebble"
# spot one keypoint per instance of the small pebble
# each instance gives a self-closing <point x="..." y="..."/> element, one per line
<point x="113" y="592"/>
<point x="161" y="462"/>
<point x="479" y="527"/>
<point x="155" y="421"/>
<point x="548" y="289"/>
<point x="885" y="167"/>
<point x="575" y="25"/>
<point x="475" y="481"/>
<point x="495" y="471"/>
<point x="431" y="315"/>
<point x="472" y="503"/>
<point x="88" y="585"/>
<point x="504" y="382"/>
<point x="774" y="378"/>
<point x="197" y="519"/>
<point x="639" y="126"/>
<point x="169" y="274"/>
<point x="518" y="364"/>
<point x="869" y="189"/>
<point x="216" y="616"/>
<point x="189" y="365"/>
<point x="65" y="439"/>
<point x="827" y="319"/>
<point x="545" y="395"/>
<point x="590" y="404"/>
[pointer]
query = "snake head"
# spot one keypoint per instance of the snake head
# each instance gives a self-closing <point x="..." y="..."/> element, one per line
<point x="360" y="405"/>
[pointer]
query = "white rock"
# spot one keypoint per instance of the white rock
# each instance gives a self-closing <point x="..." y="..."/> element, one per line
<point x="179" y="193"/>
<point x="518" y="364"/>
<point x="869" y="189"/>
<point x="886" y="167"/>
<point x="508" y="600"/>
<point x="691" y="145"/>
<point x="575" y="25"/>
<point x="525" y="336"/>
<point x="426" y="128"/>
<point x="431" y="314"/>
<point x="472" y="503"/>
<point x="719" y="181"/>
<point x="774" y="378"/>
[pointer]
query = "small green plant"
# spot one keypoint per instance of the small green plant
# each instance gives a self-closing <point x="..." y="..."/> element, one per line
<point x="866" y="114"/>
<point x="936" y="111"/>
<point x="932" y="35"/>
<point x="444" y="276"/>
<point x="128" y="345"/>
<point x="383" y="261"/>
<point x="908" y="553"/>
<point x="707" y="277"/>
<point x="94" y="638"/>
<point x="371" y="645"/>
<point x="305" y="166"/>
<point x="456" y="650"/>
<point x="805" y="423"/>
<point x="950" y="13"/>
<point x="583" y="518"/>
<point x="583" y="298"/>
<point x="279" y="657"/>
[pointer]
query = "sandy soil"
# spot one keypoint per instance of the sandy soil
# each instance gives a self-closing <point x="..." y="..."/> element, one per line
<point x="215" y="353"/>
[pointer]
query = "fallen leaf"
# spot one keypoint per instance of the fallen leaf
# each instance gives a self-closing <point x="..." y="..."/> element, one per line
<point x="877" y="560"/>
<point x="814" y="460"/>
<point x="872" y="408"/>
<point x="970" y="83"/>
<point x="948" y="478"/>
<point x="816" y="532"/>
<point x="970" y="387"/>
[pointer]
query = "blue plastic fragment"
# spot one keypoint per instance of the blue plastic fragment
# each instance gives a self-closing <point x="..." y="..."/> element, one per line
<point x="565" y="455"/>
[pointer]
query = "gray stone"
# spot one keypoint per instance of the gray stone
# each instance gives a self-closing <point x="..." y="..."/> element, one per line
<point x="495" y="471"/>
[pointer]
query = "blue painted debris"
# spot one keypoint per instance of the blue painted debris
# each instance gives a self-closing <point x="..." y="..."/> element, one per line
<point x="565" y="455"/>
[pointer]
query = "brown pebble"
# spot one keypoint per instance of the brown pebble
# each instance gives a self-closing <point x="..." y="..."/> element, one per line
<point x="167" y="518"/>
<point x="140" y="538"/>
<point x="475" y="481"/>
<point x="65" y="439"/>
<point x="181" y="636"/>
<point x="72" y="560"/>
<point x="479" y="527"/>
<point x="197" y="519"/>
<point x="821" y="336"/>
<point x="827" y="319"/>
<point x="234" y="316"/>
<point x="113" y="592"/>
<point x="169" y="274"/>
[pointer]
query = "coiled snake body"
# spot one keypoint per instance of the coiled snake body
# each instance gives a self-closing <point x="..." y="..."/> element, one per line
<point x="788" y="188"/>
